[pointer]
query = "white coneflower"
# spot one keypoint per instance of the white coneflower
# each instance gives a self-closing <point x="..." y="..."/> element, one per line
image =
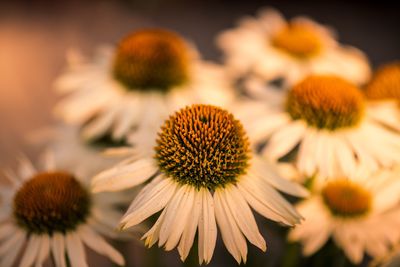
<point x="149" y="74"/>
<point x="326" y="118"/>
<point x="51" y="213"/>
<point x="359" y="213"/>
<point x="383" y="93"/>
<point x="271" y="48"/>
<point x="202" y="173"/>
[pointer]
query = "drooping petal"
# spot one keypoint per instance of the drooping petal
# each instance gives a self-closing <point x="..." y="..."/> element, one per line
<point x="269" y="173"/>
<point x="44" y="250"/>
<point x="231" y="235"/>
<point x="58" y="249"/>
<point x="243" y="216"/>
<point x="75" y="250"/>
<point x="153" y="234"/>
<point x="271" y="198"/>
<point x="31" y="251"/>
<point x="98" y="244"/>
<point x="189" y="232"/>
<point x="207" y="227"/>
<point x="8" y="257"/>
<point x="177" y="213"/>
<point x="153" y="201"/>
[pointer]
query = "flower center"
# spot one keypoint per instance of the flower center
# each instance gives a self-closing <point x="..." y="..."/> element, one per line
<point x="385" y="83"/>
<point x="151" y="60"/>
<point x="203" y="146"/>
<point x="346" y="199"/>
<point x="326" y="102"/>
<point x="298" y="39"/>
<point x="51" y="202"/>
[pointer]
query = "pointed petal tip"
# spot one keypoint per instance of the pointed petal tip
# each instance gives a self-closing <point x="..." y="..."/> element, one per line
<point x="121" y="227"/>
<point x="263" y="247"/>
<point x="96" y="188"/>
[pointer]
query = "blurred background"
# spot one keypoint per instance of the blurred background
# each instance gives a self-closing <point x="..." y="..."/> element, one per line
<point x="34" y="36"/>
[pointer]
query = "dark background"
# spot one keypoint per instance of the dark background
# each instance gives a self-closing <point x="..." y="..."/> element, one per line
<point x="34" y="36"/>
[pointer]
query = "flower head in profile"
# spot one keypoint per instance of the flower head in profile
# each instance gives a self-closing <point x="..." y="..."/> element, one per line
<point x="360" y="213"/>
<point x="271" y="47"/>
<point x="51" y="213"/>
<point x="383" y="93"/>
<point x="131" y="87"/>
<point x="326" y="122"/>
<point x="202" y="174"/>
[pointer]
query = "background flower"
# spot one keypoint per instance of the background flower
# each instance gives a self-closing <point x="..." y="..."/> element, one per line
<point x="50" y="213"/>
<point x="271" y="47"/>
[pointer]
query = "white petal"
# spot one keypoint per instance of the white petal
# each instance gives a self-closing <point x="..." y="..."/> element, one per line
<point x="8" y="259"/>
<point x="315" y="230"/>
<point x="49" y="160"/>
<point x="75" y="250"/>
<point x="189" y="232"/>
<point x="156" y="184"/>
<point x="306" y="162"/>
<point x="6" y="230"/>
<point x="128" y="117"/>
<point x="122" y="177"/>
<point x="315" y="243"/>
<point x="31" y="251"/>
<point x="44" y="250"/>
<point x="345" y="157"/>
<point x="261" y="128"/>
<point x="78" y="109"/>
<point x="271" y="198"/>
<point x="260" y="204"/>
<point x="207" y="227"/>
<point x="284" y="140"/>
<point x="175" y="221"/>
<point x="58" y="249"/>
<point x="349" y="243"/>
<point x="10" y="242"/>
<point x="101" y="124"/>
<point x="363" y="155"/>
<point x="270" y="173"/>
<point x="231" y="235"/>
<point x="153" y="234"/>
<point x="26" y="169"/>
<point x="243" y="216"/>
<point x="98" y="244"/>
<point x="153" y="202"/>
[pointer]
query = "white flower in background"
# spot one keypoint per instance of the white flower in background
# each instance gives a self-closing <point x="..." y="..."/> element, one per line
<point x="71" y="151"/>
<point x="202" y="174"/>
<point x="383" y="92"/>
<point x="151" y="73"/>
<point x="326" y="120"/>
<point x="271" y="47"/>
<point x="360" y="213"/>
<point x="51" y="213"/>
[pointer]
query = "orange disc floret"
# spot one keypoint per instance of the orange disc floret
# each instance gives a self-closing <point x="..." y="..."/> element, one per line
<point x="298" y="39"/>
<point x="51" y="202"/>
<point x="385" y="83"/>
<point x="152" y="59"/>
<point x="326" y="102"/>
<point x="346" y="198"/>
<point x="203" y="146"/>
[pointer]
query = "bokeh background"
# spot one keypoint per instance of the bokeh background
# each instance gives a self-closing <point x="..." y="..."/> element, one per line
<point x="34" y="36"/>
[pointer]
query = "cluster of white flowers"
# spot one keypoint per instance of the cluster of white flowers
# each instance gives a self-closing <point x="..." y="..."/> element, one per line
<point x="291" y="110"/>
